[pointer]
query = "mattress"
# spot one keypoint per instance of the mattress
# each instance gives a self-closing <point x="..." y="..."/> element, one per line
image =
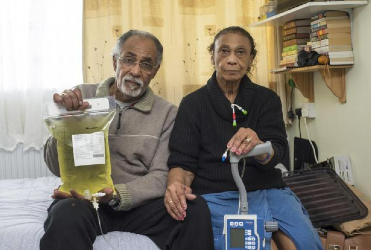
<point x="23" y="210"/>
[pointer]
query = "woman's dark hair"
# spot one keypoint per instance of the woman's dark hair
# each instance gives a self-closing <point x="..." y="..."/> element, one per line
<point x="236" y="30"/>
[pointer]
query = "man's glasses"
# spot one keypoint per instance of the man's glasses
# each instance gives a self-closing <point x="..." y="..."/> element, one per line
<point x="130" y="62"/>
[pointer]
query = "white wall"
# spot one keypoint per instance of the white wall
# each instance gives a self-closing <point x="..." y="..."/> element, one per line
<point x="345" y="129"/>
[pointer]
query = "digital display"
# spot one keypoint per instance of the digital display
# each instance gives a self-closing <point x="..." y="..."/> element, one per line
<point x="237" y="237"/>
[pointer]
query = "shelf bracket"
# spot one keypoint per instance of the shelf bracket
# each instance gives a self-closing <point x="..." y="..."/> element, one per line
<point x="304" y="82"/>
<point x="335" y="81"/>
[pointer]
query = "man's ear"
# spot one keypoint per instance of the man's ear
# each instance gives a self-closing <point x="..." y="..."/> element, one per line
<point x="114" y="62"/>
<point x="155" y="72"/>
<point x="212" y="60"/>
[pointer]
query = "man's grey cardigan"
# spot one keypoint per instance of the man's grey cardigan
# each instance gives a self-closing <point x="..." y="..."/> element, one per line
<point x="138" y="144"/>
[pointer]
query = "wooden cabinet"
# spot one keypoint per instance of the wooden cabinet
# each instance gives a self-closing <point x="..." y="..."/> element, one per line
<point x="334" y="76"/>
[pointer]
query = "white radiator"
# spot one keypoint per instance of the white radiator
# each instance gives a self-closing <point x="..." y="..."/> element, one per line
<point x="22" y="164"/>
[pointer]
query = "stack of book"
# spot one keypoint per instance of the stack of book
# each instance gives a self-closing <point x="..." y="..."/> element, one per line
<point x="295" y="34"/>
<point x="331" y="36"/>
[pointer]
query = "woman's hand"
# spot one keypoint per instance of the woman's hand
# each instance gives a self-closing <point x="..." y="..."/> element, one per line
<point x="243" y="141"/>
<point x="175" y="200"/>
<point x="177" y="193"/>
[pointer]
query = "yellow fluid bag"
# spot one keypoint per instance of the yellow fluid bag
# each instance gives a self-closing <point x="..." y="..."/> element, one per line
<point x="82" y="144"/>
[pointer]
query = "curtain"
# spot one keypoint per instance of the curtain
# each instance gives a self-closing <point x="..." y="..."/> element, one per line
<point x="40" y="53"/>
<point x="185" y="28"/>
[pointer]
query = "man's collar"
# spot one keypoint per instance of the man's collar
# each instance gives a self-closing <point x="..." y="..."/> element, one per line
<point x="144" y="104"/>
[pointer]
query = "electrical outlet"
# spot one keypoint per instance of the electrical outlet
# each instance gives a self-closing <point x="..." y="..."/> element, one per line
<point x="343" y="168"/>
<point x="308" y="110"/>
<point x="304" y="112"/>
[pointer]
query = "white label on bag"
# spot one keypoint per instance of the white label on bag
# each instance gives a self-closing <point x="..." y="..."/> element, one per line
<point x="88" y="149"/>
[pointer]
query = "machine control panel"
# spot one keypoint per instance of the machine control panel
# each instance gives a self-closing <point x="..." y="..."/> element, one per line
<point x="241" y="232"/>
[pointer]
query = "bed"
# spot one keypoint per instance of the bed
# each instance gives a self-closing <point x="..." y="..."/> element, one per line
<point x="23" y="205"/>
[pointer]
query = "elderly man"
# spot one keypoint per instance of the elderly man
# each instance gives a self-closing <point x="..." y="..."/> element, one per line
<point x="138" y="141"/>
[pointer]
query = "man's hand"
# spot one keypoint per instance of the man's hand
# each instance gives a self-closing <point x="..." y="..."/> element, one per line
<point x="63" y="195"/>
<point x="108" y="197"/>
<point x="73" y="194"/>
<point x="71" y="99"/>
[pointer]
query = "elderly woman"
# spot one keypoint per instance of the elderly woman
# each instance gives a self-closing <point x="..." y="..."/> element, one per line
<point x="231" y="112"/>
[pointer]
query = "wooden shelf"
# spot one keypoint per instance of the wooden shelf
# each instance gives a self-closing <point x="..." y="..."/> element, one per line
<point x="312" y="69"/>
<point x="307" y="10"/>
<point x="334" y="77"/>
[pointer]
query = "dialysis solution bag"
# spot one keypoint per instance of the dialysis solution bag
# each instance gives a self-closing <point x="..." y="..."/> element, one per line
<point x="82" y="144"/>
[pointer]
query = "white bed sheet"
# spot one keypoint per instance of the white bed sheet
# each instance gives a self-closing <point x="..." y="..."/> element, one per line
<point x="23" y="210"/>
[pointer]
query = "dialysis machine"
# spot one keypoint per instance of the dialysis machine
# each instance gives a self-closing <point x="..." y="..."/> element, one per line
<point x="246" y="231"/>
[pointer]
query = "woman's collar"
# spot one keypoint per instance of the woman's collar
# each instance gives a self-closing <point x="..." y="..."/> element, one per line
<point x="222" y="106"/>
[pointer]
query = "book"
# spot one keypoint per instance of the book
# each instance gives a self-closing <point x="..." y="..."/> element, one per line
<point x="333" y="48"/>
<point x="291" y="58"/>
<point x="324" y="21"/>
<point x="316" y="38"/>
<point x="340" y="54"/>
<point x="327" y="18"/>
<point x="329" y="13"/>
<point x="292" y="52"/>
<point x="337" y="35"/>
<point x="340" y="23"/>
<point x="330" y="31"/>
<point x="296" y="23"/>
<point x="336" y="41"/>
<point x="289" y="61"/>
<point x="316" y="44"/>
<point x="342" y="63"/>
<point x="329" y="36"/>
<point x="288" y="64"/>
<point x="300" y="41"/>
<point x="290" y="48"/>
<point x="295" y="36"/>
<point x="341" y="60"/>
<point x="283" y="68"/>
<point x="302" y="29"/>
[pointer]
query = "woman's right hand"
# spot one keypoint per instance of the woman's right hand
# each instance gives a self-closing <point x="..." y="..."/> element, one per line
<point x="71" y="99"/>
<point x="175" y="200"/>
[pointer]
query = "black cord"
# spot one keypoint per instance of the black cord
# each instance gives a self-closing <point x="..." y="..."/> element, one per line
<point x="290" y="113"/>
<point x="292" y="85"/>
<point x="302" y="146"/>
<point x="292" y="91"/>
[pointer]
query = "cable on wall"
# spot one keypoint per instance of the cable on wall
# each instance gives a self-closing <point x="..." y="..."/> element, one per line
<point x="310" y="141"/>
